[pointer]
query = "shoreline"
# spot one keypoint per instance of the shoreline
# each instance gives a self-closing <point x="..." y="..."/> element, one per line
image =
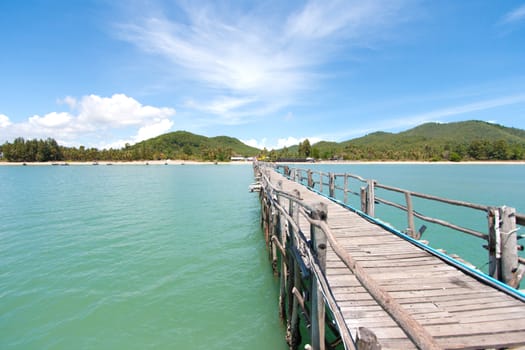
<point x="415" y="162"/>
<point x="193" y="162"/>
<point x="104" y="163"/>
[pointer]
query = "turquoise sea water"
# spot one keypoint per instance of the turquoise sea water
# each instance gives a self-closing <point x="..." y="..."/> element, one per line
<point x="134" y="257"/>
<point x="172" y="257"/>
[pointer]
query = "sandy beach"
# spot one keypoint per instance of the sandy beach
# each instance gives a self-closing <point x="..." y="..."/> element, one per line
<point x="192" y="162"/>
<point x="144" y="162"/>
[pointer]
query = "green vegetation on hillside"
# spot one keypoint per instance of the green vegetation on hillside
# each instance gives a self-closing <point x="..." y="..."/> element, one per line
<point x="175" y="145"/>
<point x="185" y="145"/>
<point x="462" y="141"/>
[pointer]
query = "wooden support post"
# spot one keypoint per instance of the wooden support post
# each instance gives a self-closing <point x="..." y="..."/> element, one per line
<point x="367" y="340"/>
<point x="274" y="231"/>
<point x="261" y="202"/>
<point x="410" y="217"/>
<point x="362" y="193"/>
<point x="494" y="258"/>
<point x="266" y="221"/>
<point x="310" y="179"/>
<point x="331" y="184"/>
<point x="282" y="244"/>
<point x="509" y="247"/>
<point x="368" y="198"/>
<point x="503" y="245"/>
<point x="318" y="306"/>
<point x="293" y="334"/>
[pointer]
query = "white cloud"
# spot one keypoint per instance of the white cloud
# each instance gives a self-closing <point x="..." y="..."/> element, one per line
<point x="68" y="100"/>
<point x="51" y="120"/>
<point x="254" y="143"/>
<point x="155" y="129"/>
<point x="4" y="121"/>
<point x="263" y="60"/>
<point x="117" y="111"/>
<point x="281" y="142"/>
<point x="291" y="141"/>
<point x="93" y="117"/>
<point x="516" y="15"/>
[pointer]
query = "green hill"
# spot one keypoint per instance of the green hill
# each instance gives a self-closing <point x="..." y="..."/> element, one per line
<point x="466" y="131"/>
<point x="185" y="145"/>
<point x="175" y="145"/>
<point x="469" y="140"/>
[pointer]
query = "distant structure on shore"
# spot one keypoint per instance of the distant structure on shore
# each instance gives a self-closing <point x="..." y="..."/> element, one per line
<point x="242" y="159"/>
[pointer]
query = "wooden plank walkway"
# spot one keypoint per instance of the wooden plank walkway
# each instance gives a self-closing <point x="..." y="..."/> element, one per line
<point x="458" y="310"/>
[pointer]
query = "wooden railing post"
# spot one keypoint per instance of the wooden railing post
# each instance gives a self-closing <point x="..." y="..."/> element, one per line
<point x="331" y="185"/>
<point x="286" y="170"/>
<point x="368" y="198"/>
<point x="410" y="217"/>
<point x="318" y="305"/>
<point x="310" y="179"/>
<point x="509" y="247"/>
<point x="503" y="246"/>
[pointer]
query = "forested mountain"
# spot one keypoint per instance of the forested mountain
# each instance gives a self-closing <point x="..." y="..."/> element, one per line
<point x="469" y="140"/>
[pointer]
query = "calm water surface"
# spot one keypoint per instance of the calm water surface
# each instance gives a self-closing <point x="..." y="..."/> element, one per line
<point x="172" y="257"/>
<point x="134" y="257"/>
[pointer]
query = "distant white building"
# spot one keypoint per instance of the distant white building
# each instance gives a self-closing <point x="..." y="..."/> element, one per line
<point x="242" y="159"/>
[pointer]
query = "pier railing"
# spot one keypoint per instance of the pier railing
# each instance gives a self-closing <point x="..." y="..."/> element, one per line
<point x="503" y="222"/>
<point x="301" y="258"/>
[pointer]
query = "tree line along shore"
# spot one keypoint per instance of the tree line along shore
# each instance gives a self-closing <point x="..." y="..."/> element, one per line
<point x="49" y="150"/>
<point x="453" y="142"/>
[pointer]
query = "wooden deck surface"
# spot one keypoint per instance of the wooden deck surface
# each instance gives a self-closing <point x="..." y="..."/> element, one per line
<point x="459" y="311"/>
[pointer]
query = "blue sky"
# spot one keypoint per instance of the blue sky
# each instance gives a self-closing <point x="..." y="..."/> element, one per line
<point x="103" y="73"/>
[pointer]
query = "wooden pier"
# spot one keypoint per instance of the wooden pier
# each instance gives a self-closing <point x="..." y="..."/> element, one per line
<point x="355" y="283"/>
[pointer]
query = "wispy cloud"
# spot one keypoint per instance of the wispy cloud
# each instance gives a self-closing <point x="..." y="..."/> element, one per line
<point x="516" y="15"/>
<point x="470" y="107"/>
<point x="261" y="60"/>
